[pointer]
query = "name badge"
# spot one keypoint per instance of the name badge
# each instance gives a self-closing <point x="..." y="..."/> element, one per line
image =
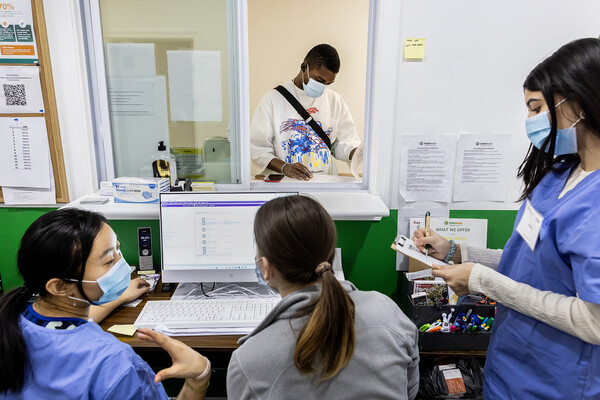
<point x="530" y="225"/>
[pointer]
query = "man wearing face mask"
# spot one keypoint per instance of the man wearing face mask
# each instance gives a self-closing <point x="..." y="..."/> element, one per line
<point x="301" y="124"/>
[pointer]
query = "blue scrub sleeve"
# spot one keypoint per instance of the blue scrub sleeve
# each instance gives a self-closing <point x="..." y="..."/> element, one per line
<point x="137" y="383"/>
<point x="584" y="256"/>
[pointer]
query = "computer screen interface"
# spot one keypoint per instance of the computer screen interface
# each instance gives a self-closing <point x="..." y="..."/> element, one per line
<point x="208" y="237"/>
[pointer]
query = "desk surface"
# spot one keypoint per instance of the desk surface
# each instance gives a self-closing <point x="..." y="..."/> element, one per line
<point x="127" y="315"/>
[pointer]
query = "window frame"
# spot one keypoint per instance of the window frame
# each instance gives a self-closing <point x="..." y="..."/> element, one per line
<point x="237" y="13"/>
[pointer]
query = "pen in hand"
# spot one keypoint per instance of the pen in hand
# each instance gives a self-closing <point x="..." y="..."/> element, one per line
<point x="427" y="217"/>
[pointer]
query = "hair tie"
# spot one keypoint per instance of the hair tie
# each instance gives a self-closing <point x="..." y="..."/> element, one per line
<point x="24" y="290"/>
<point x="321" y="268"/>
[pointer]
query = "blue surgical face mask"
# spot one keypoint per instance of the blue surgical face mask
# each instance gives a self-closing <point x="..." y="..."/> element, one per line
<point x="313" y="88"/>
<point x="259" y="276"/>
<point x="113" y="283"/>
<point x="538" y="129"/>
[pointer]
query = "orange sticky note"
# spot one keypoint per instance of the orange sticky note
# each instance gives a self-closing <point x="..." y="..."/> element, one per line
<point x="414" y="48"/>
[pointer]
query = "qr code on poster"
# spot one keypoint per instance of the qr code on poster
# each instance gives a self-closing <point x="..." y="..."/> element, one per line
<point x="15" y="95"/>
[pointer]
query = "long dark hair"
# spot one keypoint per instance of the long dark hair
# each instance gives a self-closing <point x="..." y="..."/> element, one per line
<point x="56" y="245"/>
<point x="297" y="235"/>
<point x="573" y="72"/>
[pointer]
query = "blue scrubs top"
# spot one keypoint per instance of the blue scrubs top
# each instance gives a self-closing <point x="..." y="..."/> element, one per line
<point x="83" y="363"/>
<point x="527" y="358"/>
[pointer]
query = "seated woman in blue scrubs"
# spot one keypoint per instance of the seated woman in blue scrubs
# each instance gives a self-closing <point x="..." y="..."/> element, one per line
<point x="325" y="339"/>
<point x="50" y="348"/>
<point x="546" y="337"/>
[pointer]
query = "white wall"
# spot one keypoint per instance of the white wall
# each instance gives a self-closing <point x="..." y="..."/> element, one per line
<point x="477" y="55"/>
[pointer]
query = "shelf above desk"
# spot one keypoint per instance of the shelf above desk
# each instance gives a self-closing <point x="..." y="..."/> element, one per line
<point x="359" y="206"/>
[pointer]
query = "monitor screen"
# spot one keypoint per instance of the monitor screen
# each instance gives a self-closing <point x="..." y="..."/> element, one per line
<point x="208" y="237"/>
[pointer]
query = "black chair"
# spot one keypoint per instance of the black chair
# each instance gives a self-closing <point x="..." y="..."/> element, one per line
<point x="1" y="287"/>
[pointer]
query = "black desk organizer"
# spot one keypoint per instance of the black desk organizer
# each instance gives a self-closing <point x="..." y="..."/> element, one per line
<point x="451" y="341"/>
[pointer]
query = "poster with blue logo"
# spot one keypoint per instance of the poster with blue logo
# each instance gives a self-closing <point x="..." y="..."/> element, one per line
<point x="17" y="37"/>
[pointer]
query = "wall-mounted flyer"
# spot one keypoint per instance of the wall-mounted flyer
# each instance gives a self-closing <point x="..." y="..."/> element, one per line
<point x="471" y="231"/>
<point x="481" y="167"/>
<point x="427" y="167"/>
<point x="17" y="38"/>
<point x="20" y="90"/>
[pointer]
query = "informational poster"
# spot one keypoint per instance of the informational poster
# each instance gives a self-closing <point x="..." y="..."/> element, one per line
<point x="472" y="231"/>
<point x="427" y="167"/>
<point x="141" y="131"/>
<point x="20" y="90"/>
<point x="195" y="85"/>
<point x="481" y="167"/>
<point x="17" y="38"/>
<point x="130" y="60"/>
<point x="24" y="153"/>
<point x="131" y="96"/>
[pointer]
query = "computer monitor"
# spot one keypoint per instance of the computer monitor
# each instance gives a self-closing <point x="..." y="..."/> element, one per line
<point x="208" y="237"/>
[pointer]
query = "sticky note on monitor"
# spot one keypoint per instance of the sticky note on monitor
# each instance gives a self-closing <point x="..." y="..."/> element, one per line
<point x="414" y="48"/>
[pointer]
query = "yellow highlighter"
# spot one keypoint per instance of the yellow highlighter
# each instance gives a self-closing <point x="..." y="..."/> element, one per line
<point x="427" y="218"/>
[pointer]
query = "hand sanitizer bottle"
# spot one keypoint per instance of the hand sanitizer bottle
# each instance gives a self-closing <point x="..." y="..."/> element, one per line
<point x="164" y="165"/>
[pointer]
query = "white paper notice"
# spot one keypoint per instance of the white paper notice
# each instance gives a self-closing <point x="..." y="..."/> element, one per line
<point x="130" y="60"/>
<point x="20" y="91"/>
<point x="426" y="167"/>
<point x="131" y="96"/>
<point x="24" y="153"/>
<point x="21" y="196"/>
<point x="195" y="85"/>
<point x="142" y="132"/>
<point x="481" y="168"/>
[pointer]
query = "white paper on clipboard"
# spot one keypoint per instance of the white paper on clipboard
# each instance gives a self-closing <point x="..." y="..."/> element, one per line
<point x="407" y="247"/>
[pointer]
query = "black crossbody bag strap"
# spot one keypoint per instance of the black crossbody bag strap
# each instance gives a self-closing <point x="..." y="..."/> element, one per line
<point x="305" y="115"/>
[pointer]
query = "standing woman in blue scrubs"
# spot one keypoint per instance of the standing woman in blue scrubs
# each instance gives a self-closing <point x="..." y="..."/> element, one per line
<point x="49" y="349"/>
<point x="546" y="337"/>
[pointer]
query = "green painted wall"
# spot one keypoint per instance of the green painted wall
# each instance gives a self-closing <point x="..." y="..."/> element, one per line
<point x="13" y="224"/>
<point x="500" y="224"/>
<point x="366" y="255"/>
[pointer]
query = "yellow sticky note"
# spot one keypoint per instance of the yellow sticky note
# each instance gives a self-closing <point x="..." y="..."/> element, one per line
<point x="414" y="48"/>
<point x="127" y="330"/>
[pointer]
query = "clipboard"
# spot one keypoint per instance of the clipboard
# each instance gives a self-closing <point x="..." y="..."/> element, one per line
<point x="404" y="245"/>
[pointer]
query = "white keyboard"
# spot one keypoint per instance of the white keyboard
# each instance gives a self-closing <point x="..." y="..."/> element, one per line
<point x="206" y="313"/>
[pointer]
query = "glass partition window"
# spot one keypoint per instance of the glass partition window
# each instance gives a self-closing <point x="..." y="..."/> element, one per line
<point x="276" y="55"/>
<point x="167" y="77"/>
<point x="193" y="74"/>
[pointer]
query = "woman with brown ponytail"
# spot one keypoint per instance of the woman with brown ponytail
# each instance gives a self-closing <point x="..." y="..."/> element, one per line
<point x="325" y="339"/>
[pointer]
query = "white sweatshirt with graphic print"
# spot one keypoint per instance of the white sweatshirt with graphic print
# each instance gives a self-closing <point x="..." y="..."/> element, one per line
<point x="278" y="131"/>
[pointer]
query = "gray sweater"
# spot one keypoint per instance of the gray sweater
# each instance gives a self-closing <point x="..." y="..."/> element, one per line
<point x="384" y="364"/>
